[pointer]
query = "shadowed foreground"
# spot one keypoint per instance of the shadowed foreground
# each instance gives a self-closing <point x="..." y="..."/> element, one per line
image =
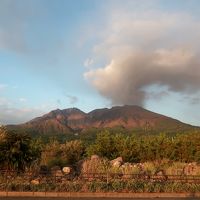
<point x="57" y="198"/>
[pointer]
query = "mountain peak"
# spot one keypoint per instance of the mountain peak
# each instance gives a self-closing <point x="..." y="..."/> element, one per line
<point x="127" y="116"/>
<point x="72" y="110"/>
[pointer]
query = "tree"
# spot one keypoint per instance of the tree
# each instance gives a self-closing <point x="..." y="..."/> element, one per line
<point x="72" y="151"/>
<point x="130" y="150"/>
<point x="56" y="154"/>
<point x="104" y="146"/>
<point x="17" y="152"/>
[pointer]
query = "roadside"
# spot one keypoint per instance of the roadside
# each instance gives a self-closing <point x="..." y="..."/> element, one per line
<point x="63" y="198"/>
<point x="85" y="195"/>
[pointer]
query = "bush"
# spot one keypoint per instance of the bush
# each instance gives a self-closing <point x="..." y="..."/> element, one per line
<point x="90" y="166"/>
<point x="17" y="151"/>
<point x="56" y="154"/>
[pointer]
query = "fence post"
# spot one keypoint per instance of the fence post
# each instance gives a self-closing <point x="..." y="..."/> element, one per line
<point x="6" y="184"/>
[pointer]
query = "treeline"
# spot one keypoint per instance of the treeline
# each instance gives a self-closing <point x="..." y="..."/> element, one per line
<point x="183" y="148"/>
<point x="20" y="152"/>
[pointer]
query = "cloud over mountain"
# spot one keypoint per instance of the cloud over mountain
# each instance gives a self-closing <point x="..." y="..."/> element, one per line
<point x="147" y="49"/>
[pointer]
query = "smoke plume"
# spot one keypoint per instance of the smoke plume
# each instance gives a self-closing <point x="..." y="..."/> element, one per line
<point x="144" y="50"/>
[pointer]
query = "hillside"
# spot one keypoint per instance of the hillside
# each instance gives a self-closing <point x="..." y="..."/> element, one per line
<point x="73" y="120"/>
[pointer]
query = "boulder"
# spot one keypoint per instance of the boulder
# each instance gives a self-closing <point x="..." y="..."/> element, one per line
<point x="190" y="169"/>
<point x="67" y="170"/>
<point x="94" y="157"/>
<point x="117" y="162"/>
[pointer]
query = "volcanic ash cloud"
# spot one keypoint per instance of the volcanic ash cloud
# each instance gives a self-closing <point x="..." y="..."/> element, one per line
<point x="146" y="50"/>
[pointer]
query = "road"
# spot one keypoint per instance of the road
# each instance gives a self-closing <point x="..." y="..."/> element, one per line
<point x="57" y="198"/>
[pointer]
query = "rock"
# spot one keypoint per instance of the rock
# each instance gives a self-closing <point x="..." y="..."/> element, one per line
<point x="190" y="169"/>
<point x="118" y="159"/>
<point x="94" y="157"/>
<point x="35" y="182"/>
<point x="117" y="162"/>
<point x="67" y="170"/>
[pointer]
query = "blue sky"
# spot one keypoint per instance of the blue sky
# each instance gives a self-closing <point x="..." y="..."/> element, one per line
<point x="99" y="53"/>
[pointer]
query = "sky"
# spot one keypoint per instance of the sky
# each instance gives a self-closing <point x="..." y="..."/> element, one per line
<point x="99" y="53"/>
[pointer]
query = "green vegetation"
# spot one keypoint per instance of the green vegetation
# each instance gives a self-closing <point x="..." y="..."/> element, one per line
<point x="102" y="186"/>
<point x="18" y="151"/>
<point x="143" y="156"/>
<point x="56" y="154"/>
<point x="183" y="148"/>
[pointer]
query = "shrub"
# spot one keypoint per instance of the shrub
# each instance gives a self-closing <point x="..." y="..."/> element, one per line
<point x="95" y="166"/>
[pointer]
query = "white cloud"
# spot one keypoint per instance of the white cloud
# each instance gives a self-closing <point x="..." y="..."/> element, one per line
<point x="10" y="114"/>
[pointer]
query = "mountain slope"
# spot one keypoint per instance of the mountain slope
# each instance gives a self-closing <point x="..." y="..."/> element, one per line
<point x="74" y="120"/>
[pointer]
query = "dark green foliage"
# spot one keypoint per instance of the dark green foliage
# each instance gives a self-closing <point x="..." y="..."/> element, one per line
<point x="18" y="151"/>
<point x="56" y="154"/>
<point x="72" y="151"/>
<point x="104" y="146"/>
<point x="183" y="147"/>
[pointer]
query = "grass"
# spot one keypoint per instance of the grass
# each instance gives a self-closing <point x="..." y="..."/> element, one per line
<point x="113" y="185"/>
<point x="124" y="181"/>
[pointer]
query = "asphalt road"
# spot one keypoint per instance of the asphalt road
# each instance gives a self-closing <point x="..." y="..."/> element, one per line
<point x="67" y="198"/>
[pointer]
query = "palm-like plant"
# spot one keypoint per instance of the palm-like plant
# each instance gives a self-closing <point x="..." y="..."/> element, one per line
<point x="16" y="152"/>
